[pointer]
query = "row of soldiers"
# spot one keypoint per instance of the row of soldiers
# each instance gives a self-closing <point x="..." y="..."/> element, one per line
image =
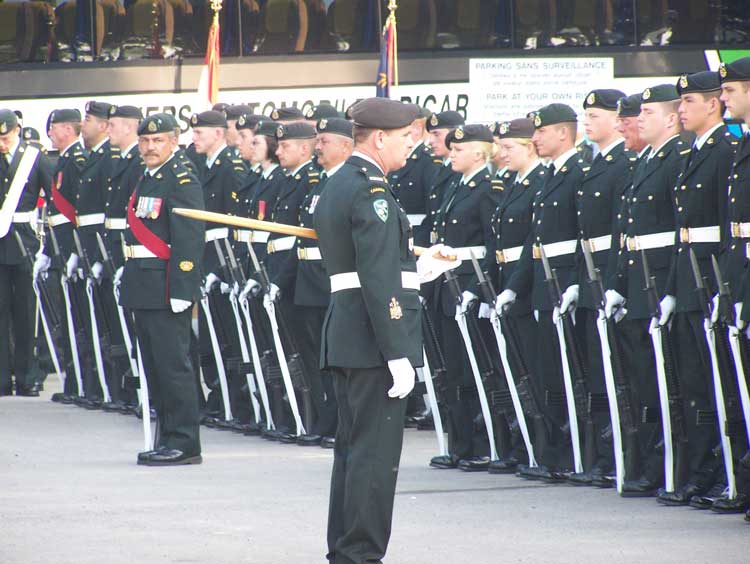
<point x="584" y="338"/>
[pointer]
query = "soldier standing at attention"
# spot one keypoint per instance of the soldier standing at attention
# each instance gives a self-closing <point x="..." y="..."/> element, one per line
<point x="372" y="336"/>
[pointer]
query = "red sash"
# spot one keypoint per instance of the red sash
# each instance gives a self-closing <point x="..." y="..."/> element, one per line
<point x="62" y="205"/>
<point x="144" y="235"/>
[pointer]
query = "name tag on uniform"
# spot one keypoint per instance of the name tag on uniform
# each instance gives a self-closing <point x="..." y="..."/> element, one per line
<point x="148" y="207"/>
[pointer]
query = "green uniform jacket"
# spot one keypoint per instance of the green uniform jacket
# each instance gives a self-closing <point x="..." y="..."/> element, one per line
<point x="362" y="229"/>
<point x="149" y="283"/>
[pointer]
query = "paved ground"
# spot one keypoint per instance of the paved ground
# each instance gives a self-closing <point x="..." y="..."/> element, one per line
<point x="70" y="492"/>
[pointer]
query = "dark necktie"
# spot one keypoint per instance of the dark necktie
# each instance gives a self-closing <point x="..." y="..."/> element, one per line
<point x="552" y="169"/>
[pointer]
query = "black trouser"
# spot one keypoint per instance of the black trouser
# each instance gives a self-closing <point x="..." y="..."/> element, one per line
<point x="365" y="465"/>
<point x="693" y="364"/>
<point x="16" y="319"/>
<point x="85" y="339"/>
<point x="602" y="459"/>
<point x="639" y="364"/>
<point x="554" y="452"/>
<point x="65" y="356"/>
<point x="309" y="324"/>
<point x="164" y="339"/>
<point x="118" y="364"/>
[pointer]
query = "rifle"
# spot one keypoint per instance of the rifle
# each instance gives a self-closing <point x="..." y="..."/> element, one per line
<point x="287" y="364"/>
<point x="573" y="374"/>
<point x="434" y="379"/>
<point x="720" y="373"/>
<point x="480" y="377"/>
<point x="621" y="407"/>
<point x="670" y="399"/>
<point x="93" y="299"/>
<point x="488" y="292"/>
<point x="71" y="304"/>
<point x="726" y="305"/>
<point x="47" y="311"/>
<point x="241" y="366"/>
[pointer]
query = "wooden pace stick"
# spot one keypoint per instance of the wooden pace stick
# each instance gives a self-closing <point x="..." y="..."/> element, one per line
<point x="247" y="223"/>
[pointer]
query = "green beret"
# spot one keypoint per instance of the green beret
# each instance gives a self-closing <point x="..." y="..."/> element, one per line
<point x="8" y="121"/>
<point x="383" y="113"/>
<point x="521" y="128"/>
<point x="211" y="118"/>
<point x="297" y="130"/>
<point x="659" y="93"/>
<point x="290" y="113"/>
<point x="604" y="99"/>
<point x="130" y="112"/>
<point x="468" y="133"/>
<point x="738" y="70"/>
<point x="157" y="123"/>
<point x="322" y="111"/>
<point x="553" y="114"/>
<point x="267" y="128"/>
<point x="64" y="116"/>
<point x="335" y="125"/>
<point x="30" y="134"/>
<point x="704" y="81"/>
<point x="629" y="106"/>
<point x="98" y="109"/>
<point x="234" y="112"/>
<point x="445" y="120"/>
<point x="220" y="106"/>
<point x="248" y="121"/>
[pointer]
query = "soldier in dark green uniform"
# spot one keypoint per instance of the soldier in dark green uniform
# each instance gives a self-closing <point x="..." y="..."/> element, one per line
<point x="160" y="283"/>
<point x="372" y="333"/>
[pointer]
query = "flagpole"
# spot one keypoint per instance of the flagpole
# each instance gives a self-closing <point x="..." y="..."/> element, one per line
<point x="392" y="7"/>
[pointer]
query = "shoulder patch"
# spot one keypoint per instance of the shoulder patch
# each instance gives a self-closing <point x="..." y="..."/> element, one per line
<point x="381" y="209"/>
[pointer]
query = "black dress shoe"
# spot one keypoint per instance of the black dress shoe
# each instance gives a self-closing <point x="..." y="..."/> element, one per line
<point x="250" y="428"/>
<point x="271" y="434"/>
<point x="580" y="479"/>
<point x="223" y="424"/>
<point x="747" y="516"/>
<point x="110" y="407"/>
<point x="474" y="464"/>
<point x="410" y="422"/>
<point x="638" y="488"/>
<point x="142" y="456"/>
<point x="503" y="466"/>
<point x="169" y="457"/>
<point x="328" y="442"/>
<point x="28" y="391"/>
<point x="209" y="421"/>
<point x="602" y="481"/>
<point x="309" y="440"/>
<point x="59" y="397"/>
<point x="425" y="423"/>
<point x="288" y="438"/>
<point x="6" y="392"/>
<point x="444" y="462"/>
<point x="93" y="404"/>
<point x="679" y="497"/>
<point x="706" y="500"/>
<point x="739" y="504"/>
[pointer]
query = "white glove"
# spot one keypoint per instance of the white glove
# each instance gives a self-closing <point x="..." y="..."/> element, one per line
<point x="569" y="299"/>
<point x="72" y="265"/>
<point x="653" y="325"/>
<point x="435" y="261"/>
<point x="485" y="310"/>
<point x="272" y="295"/>
<point x="41" y="264"/>
<point x="504" y="301"/>
<point x="96" y="270"/>
<point x="178" y="306"/>
<point x="466" y="299"/>
<point x="555" y="315"/>
<point x="403" y="378"/>
<point x="211" y="280"/>
<point x="252" y="288"/>
<point x="737" y="313"/>
<point x="224" y="288"/>
<point x="715" y="309"/>
<point x="422" y="299"/>
<point x="667" y="305"/>
<point x="613" y="302"/>
<point x="117" y="280"/>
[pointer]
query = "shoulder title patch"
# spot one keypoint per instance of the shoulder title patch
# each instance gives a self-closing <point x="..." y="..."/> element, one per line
<point x="381" y="209"/>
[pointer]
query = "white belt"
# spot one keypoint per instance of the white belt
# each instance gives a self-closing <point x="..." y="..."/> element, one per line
<point x="350" y="280"/>
<point x="116" y="223"/>
<point x="281" y="244"/>
<point x="650" y="241"/>
<point x="90" y="219"/>
<point x="249" y="236"/>
<point x="24" y="217"/>
<point x="309" y="253"/>
<point x="558" y="249"/>
<point x="416" y="218"/>
<point x="504" y="256"/>
<point x="216" y="233"/>
<point x="57" y="219"/>
<point x="597" y="244"/>
<point x="465" y="253"/>
<point x="137" y="252"/>
<point x="740" y="229"/>
<point x="711" y="234"/>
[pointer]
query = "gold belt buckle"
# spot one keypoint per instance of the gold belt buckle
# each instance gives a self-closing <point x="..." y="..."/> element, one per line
<point x="236" y="233"/>
<point x="632" y="243"/>
<point x="301" y="253"/>
<point x="747" y="250"/>
<point x="684" y="235"/>
<point x="536" y="252"/>
<point x="269" y="247"/>
<point x="127" y="250"/>
<point x="500" y="256"/>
